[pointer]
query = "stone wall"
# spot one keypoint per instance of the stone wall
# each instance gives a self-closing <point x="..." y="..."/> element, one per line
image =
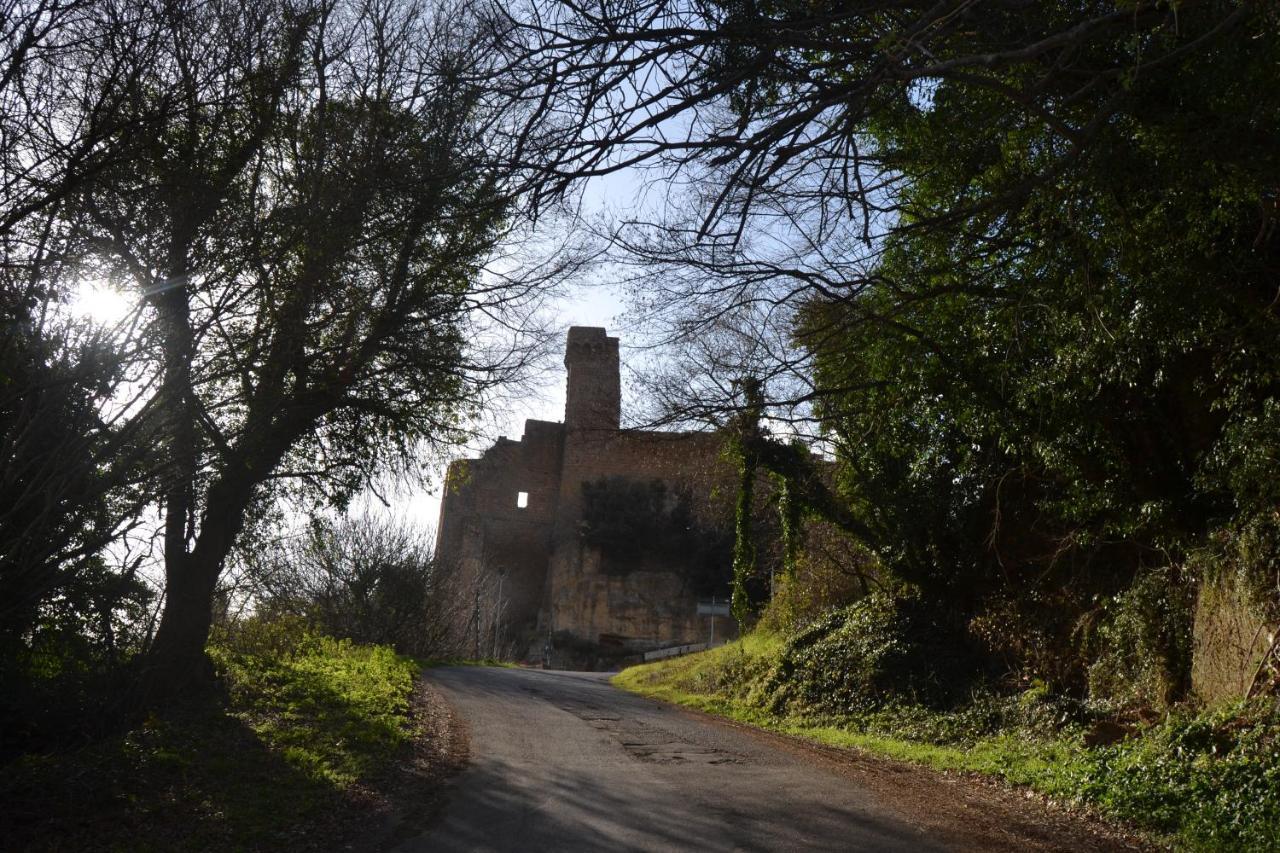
<point x="485" y="533"/>
<point x="654" y="603"/>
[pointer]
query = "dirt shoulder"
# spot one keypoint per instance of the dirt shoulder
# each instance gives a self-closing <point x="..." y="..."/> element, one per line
<point x="410" y="795"/>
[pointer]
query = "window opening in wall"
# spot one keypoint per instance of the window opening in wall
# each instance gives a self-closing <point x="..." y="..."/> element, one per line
<point x="522" y="500"/>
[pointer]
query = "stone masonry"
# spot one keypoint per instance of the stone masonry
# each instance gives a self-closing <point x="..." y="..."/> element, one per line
<point x="604" y="539"/>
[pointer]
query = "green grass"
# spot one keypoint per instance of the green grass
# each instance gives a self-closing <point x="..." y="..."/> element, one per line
<point x="1207" y="780"/>
<point x="334" y="710"/>
<point x="306" y="722"/>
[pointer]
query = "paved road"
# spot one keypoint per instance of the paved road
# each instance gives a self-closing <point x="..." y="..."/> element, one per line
<point x="566" y="762"/>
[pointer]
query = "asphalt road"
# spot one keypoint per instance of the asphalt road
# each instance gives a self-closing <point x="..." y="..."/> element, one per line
<point x="565" y="762"/>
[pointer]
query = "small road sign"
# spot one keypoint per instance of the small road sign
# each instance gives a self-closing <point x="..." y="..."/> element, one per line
<point x="713" y="608"/>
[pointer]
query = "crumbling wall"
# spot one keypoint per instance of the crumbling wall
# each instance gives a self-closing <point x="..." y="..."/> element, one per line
<point x="651" y="600"/>
<point x="495" y="533"/>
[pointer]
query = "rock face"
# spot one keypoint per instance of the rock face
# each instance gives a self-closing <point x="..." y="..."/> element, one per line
<point x="583" y="539"/>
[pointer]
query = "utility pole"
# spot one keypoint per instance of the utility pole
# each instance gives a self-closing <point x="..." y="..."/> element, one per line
<point x="497" y="613"/>
<point x="475" y="621"/>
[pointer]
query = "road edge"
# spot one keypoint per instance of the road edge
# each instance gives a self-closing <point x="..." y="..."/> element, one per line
<point x="893" y="779"/>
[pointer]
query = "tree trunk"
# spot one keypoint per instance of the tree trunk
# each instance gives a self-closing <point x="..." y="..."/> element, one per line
<point x="177" y="665"/>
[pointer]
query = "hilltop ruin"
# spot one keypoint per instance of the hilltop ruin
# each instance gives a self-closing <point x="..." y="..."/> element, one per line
<point x="604" y="539"/>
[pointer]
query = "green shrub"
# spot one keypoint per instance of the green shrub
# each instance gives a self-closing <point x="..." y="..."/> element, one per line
<point x="260" y="637"/>
<point x="66" y="678"/>
<point x="884" y="649"/>
<point x="1143" y="644"/>
<point x="830" y="571"/>
<point x="1212" y="778"/>
<point x="1247" y="552"/>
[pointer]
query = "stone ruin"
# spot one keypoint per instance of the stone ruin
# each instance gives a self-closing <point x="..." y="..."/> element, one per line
<point x="586" y="543"/>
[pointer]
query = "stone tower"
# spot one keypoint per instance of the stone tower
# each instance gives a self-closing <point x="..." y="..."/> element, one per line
<point x="593" y="398"/>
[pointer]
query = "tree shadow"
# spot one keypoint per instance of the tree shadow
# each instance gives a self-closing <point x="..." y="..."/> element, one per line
<point x="197" y="778"/>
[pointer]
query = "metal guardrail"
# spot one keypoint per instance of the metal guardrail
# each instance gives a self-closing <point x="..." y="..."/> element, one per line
<point x="674" y="651"/>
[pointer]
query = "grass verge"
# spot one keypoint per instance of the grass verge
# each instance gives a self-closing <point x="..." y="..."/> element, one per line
<point x="1207" y="780"/>
<point x="286" y="759"/>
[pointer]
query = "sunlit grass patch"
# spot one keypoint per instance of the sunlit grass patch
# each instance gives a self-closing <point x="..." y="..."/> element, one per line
<point x="333" y="709"/>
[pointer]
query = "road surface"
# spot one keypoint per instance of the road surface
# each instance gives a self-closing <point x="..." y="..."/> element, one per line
<point x="563" y="761"/>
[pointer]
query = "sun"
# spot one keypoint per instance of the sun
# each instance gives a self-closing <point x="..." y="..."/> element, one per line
<point x="100" y="303"/>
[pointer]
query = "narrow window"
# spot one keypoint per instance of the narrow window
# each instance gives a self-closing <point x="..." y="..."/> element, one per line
<point x="522" y="500"/>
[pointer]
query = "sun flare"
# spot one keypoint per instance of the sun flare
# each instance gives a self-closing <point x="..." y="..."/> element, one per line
<point x="101" y="303"/>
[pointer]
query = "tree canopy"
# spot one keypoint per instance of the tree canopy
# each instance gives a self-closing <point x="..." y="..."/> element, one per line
<point x="1017" y="263"/>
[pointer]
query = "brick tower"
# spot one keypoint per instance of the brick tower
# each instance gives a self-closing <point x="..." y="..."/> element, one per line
<point x="593" y="398"/>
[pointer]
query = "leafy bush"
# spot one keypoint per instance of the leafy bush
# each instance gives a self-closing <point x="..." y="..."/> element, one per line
<point x="1213" y="778"/>
<point x="1249" y="550"/>
<point x="831" y="570"/>
<point x="66" y="678"/>
<point x="1142" y="654"/>
<point x="885" y="648"/>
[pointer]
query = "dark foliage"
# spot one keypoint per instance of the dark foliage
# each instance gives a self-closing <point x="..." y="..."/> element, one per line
<point x="644" y="525"/>
<point x="69" y="622"/>
<point x="1054" y="401"/>
<point x="885" y="649"/>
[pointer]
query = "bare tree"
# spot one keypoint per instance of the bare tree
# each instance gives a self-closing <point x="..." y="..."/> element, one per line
<point x="762" y="119"/>
<point x="368" y="579"/>
<point x="772" y="103"/>
<point x="66" y="69"/>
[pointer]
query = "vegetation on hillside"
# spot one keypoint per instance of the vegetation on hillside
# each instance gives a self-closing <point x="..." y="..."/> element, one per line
<point x="290" y="756"/>
<point x="1053" y="406"/>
